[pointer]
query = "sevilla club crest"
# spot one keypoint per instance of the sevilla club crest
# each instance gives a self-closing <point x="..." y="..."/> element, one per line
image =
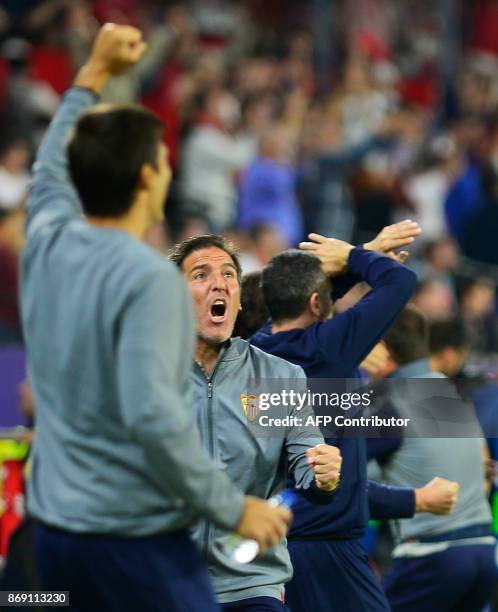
<point x="250" y="406"/>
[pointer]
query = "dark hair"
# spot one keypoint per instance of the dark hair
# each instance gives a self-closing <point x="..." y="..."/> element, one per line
<point x="258" y="230"/>
<point x="288" y="282"/>
<point x="106" y="151"/>
<point x="181" y="251"/>
<point x="408" y="338"/>
<point x="254" y="313"/>
<point x="448" y="333"/>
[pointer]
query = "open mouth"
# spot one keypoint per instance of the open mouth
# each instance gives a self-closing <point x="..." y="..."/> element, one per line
<point x="218" y="310"/>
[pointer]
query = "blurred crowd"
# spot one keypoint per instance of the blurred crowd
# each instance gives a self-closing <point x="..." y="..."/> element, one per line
<point x="285" y="118"/>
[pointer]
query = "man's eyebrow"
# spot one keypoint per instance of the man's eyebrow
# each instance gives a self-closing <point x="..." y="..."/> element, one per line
<point x="199" y="267"/>
<point x="203" y="266"/>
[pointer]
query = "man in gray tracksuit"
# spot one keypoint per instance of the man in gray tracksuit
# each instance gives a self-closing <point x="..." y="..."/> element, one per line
<point x="223" y="376"/>
<point x="440" y="563"/>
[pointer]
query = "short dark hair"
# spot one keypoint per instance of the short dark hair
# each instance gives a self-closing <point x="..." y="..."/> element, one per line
<point x="254" y="313"/>
<point x="288" y="282"/>
<point x="182" y="250"/>
<point x="105" y="153"/>
<point x="448" y="333"/>
<point x="408" y="338"/>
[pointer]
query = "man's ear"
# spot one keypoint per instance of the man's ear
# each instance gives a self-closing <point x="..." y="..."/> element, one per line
<point x="314" y="304"/>
<point x="146" y="176"/>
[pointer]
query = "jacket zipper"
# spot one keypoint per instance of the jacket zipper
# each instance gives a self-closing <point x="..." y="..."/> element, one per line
<point x="207" y="530"/>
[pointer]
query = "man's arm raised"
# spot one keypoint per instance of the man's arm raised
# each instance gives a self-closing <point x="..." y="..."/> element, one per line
<point x="53" y="197"/>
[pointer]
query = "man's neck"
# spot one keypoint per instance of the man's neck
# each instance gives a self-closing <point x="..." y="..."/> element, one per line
<point x="206" y="355"/>
<point x="436" y="365"/>
<point x="135" y="222"/>
<point x="301" y="322"/>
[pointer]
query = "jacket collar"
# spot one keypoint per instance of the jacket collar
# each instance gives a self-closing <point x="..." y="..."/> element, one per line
<point x="415" y="369"/>
<point x="231" y="350"/>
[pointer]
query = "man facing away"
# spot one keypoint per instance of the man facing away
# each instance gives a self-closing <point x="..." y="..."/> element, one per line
<point x="118" y="470"/>
<point x="258" y="462"/>
<point x="441" y="563"/>
<point x="297" y="290"/>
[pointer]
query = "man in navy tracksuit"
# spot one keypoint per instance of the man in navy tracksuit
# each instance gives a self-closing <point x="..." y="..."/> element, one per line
<point x="331" y="571"/>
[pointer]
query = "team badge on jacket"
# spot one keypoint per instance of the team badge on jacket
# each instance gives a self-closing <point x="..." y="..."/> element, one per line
<point x="250" y="406"/>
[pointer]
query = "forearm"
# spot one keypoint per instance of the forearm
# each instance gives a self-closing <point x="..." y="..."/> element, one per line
<point x="392" y="285"/>
<point x="52" y="191"/>
<point x="386" y="502"/>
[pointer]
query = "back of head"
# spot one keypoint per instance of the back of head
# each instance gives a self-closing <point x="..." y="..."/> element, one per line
<point x="408" y="338"/>
<point x="449" y="333"/>
<point x="106" y="152"/>
<point x="288" y="282"/>
<point x="254" y="313"/>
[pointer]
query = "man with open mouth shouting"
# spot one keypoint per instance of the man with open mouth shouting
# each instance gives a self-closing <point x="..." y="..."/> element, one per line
<point x="223" y="373"/>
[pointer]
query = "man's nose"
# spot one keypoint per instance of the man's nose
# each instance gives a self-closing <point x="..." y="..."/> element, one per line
<point x="220" y="283"/>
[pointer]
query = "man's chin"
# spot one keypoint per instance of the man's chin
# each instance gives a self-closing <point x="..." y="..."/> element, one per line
<point x="215" y="339"/>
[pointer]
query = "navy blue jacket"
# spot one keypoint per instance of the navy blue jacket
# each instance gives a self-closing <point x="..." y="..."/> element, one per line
<point x="334" y="349"/>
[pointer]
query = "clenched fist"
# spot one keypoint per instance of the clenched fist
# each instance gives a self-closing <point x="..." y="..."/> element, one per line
<point x="116" y="49"/>
<point x="439" y="496"/>
<point x="325" y="461"/>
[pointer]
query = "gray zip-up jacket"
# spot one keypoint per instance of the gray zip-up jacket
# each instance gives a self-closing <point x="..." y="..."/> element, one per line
<point x="257" y="465"/>
<point x="110" y="333"/>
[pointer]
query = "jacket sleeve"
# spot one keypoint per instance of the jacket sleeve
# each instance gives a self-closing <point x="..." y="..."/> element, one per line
<point x="349" y="337"/>
<point x="298" y="440"/>
<point x="53" y="197"/>
<point x="343" y="283"/>
<point x="386" y="502"/>
<point x="155" y="345"/>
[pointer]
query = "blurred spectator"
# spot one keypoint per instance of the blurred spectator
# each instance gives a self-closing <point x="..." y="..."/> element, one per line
<point x="124" y="88"/>
<point x="264" y="242"/>
<point x="428" y="188"/>
<point x="441" y="257"/>
<point x="481" y="230"/>
<point x="268" y="187"/>
<point x="470" y="191"/>
<point x="324" y="173"/>
<point x="29" y="103"/>
<point x="11" y="239"/>
<point x="439" y="260"/>
<point x="362" y="107"/>
<point x="479" y="241"/>
<point x="449" y="346"/>
<point x="14" y="175"/>
<point x="210" y="160"/>
<point x="434" y="298"/>
<point x="247" y="105"/>
<point x="478" y="310"/>
<point x="258" y="112"/>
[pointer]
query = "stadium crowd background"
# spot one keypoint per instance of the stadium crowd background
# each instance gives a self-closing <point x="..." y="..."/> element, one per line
<point x="285" y="117"/>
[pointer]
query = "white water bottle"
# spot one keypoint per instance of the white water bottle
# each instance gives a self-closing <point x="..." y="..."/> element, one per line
<point x="244" y="550"/>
